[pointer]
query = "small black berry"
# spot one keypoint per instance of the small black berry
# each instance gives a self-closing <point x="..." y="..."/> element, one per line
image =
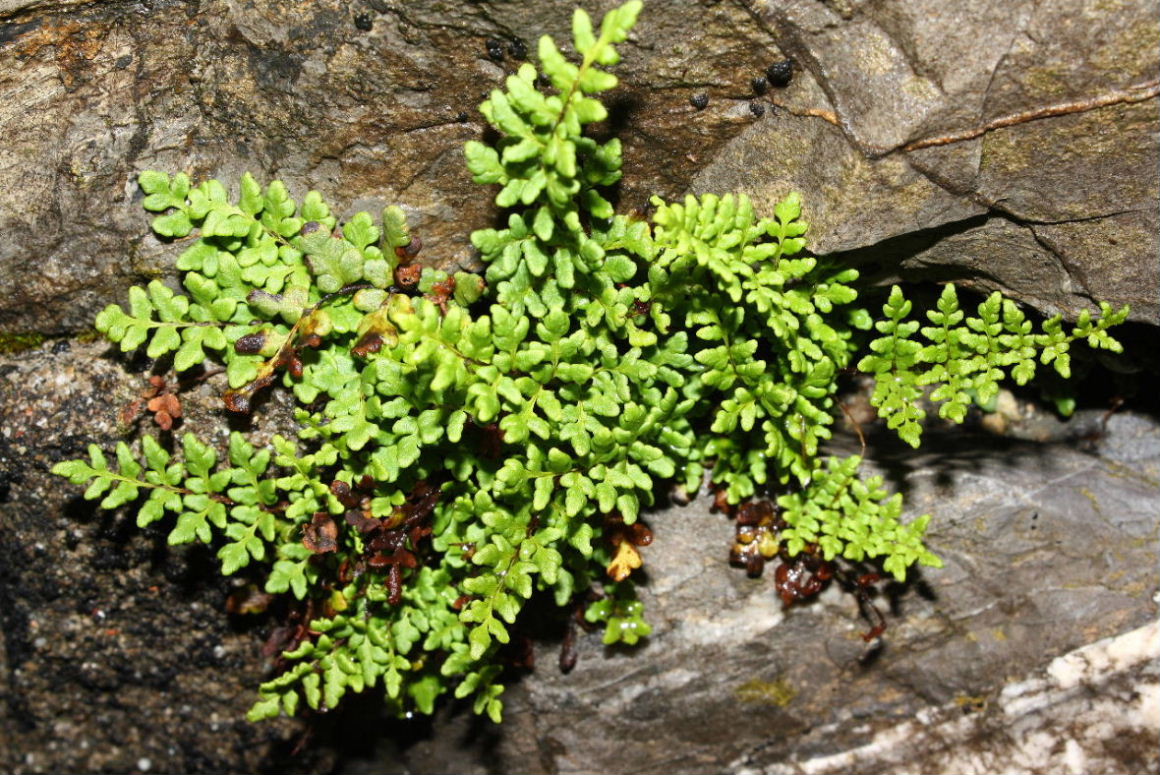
<point x="757" y="109"/>
<point x="518" y="49"/>
<point x="760" y="85"/>
<point x="780" y="73"/>
<point x="699" y="101"/>
<point x="364" y="22"/>
<point x="494" y="50"/>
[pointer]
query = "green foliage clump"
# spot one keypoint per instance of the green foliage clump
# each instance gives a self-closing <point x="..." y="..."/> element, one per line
<point x="967" y="357"/>
<point x="464" y="447"/>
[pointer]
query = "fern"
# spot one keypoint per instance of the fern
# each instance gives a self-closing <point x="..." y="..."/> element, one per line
<point x="466" y="443"/>
<point x="967" y="355"/>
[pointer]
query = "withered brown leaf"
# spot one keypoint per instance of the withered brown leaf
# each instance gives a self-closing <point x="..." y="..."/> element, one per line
<point x="321" y="535"/>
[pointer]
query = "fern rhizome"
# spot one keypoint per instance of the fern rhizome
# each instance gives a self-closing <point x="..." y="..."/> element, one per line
<point x="467" y="441"/>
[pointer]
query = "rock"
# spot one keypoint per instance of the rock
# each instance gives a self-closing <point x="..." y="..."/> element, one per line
<point x="117" y="647"/>
<point x="1012" y="148"/>
<point x="96" y="92"/>
<point x="899" y="122"/>
<point x="113" y="646"/>
<point x="1060" y="719"/>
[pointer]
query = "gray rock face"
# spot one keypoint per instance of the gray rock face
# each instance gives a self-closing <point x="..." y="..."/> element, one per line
<point x="1015" y="144"/>
<point x="907" y="119"/>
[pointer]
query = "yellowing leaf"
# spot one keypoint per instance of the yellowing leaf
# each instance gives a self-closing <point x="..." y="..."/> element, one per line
<point x="627" y="560"/>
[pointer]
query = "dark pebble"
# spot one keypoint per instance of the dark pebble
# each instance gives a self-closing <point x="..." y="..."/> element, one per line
<point x="780" y="73"/>
<point x="494" y="50"/>
<point x="518" y="49"/>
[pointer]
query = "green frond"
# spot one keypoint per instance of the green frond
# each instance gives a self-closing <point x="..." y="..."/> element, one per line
<point x="966" y="357"/>
<point x="465" y="442"/>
